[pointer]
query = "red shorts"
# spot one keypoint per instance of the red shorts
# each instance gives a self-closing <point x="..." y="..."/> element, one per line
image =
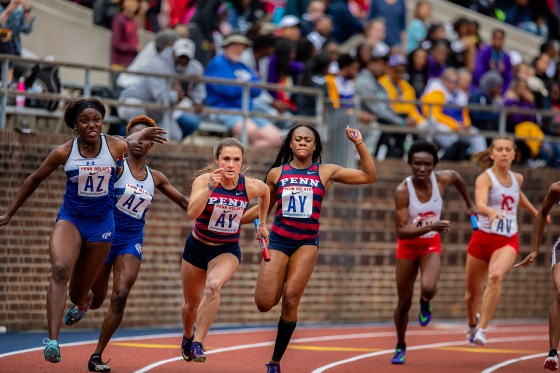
<point x="415" y="248"/>
<point x="483" y="245"/>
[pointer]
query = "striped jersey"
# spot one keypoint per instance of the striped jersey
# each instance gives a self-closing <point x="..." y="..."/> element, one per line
<point x="299" y="195"/>
<point x="90" y="182"/>
<point x="503" y="200"/>
<point x="220" y="221"/>
<point x="133" y="199"/>
<point x="424" y="213"/>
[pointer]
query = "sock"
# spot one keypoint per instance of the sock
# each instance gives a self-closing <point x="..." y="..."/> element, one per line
<point x="425" y="304"/>
<point x="285" y="331"/>
<point x="553" y="352"/>
<point x="401" y="346"/>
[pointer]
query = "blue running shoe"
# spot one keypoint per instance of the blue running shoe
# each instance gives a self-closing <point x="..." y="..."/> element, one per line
<point x="186" y="348"/>
<point x="74" y="315"/>
<point x="197" y="352"/>
<point x="272" y="368"/>
<point x="425" y="314"/>
<point x="398" y="357"/>
<point x="52" y="351"/>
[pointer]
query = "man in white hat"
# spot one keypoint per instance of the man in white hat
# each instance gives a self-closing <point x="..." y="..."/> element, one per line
<point x="289" y="26"/>
<point x="260" y="131"/>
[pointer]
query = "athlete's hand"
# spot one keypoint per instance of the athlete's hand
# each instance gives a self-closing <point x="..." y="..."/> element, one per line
<point x="5" y="219"/>
<point x="440" y="226"/>
<point x="528" y="259"/>
<point x="354" y="135"/>
<point x="155" y="134"/>
<point x="262" y="230"/>
<point x="215" y="177"/>
<point x="494" y="215"/>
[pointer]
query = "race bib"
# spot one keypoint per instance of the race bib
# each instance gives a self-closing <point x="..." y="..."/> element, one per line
<point x="93" y="181"/>
<point x="297" y="202"/>
<point x="507" y="226"/>
<point x="225" y="219"/>
<point x="422" y="221"/>
<point x="134" y="201"/>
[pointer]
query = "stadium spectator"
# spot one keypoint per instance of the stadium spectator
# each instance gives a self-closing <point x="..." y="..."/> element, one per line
<point x="314" y="76"/>
<point x="289" y="28"/>
<point x="296" y="7"/>
<point x="394" y="13"/>
<point x="454" y="120"/>
<point x="16" y="17"/>
<point x="494" y="57"/>
<point x="464" y="45"/>
<point x="398" y="88"/>
<point x="550" y="47"/>
<point x="181" y="11"/>
<point x="345" y="83"/>
<point x="346" y="25"/>
<point x="488" y="94"/>
<point x="315" y="11"/>
<point x="179" y="59"/>
<point x="104" y="11"/>
<point x="260" y="131"/>
<point x="283" y="70"/>
<point x="521" y="14"/>
<point x="417" y="28"/>
<point x="367" y="85"/>
<point x="437" y="58"/>
<point x="374" y="34"/>
<point x="418" y="70"/>
<point x="436" y="31"/>
<point x="321" y="32"/>
<point x="206" y="28"/>
<point x="152" y="16"/>
<point x="124" y="39"/>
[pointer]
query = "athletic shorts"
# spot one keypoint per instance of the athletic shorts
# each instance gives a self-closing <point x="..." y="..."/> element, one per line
<point x="289" y="246"/>
<point x="129" y="246"/>
<point x="200" y="254"/>
<point x="482" y="245"/>
<point x="556" y="253"/>
<point x="416" y="248"/>
<point x="99" y="230"/>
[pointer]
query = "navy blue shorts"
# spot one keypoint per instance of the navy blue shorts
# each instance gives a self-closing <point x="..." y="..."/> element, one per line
<point x="126" y="244"/>
<point x="287" y="245"/>
<point x="200" y="254"/>
<point x="99" y="230"/>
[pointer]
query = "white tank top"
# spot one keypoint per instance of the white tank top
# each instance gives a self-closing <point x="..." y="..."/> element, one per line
<point x="504" y="200"/>
<point x="421" y="214"/>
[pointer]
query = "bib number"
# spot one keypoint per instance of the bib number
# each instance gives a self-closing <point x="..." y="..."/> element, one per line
<point x="297" y="202"/>
<point x="424" y="221"/>
<point x="507" y="226"/>
<point x="93" y="181"/>
<point x="225" y="219"/>
<point x="134" y="201"/>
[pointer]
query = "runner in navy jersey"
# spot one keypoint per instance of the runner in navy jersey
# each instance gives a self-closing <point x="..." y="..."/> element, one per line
<point x="84" y="228"/>
<point x="418" y="205"/>
<point x="297" y="184"/>
<point x="134" y="193"/>
<point x="219" y="198"/>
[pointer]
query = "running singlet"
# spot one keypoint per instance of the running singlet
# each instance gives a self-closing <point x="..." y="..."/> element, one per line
<point x="299" y="195"/>
<point x="90" y="182"/>
<point x="421" y="214"/>
<point x="220" y="220"/>
<point x="133" y="199"/>
<point x="503" y="200"/>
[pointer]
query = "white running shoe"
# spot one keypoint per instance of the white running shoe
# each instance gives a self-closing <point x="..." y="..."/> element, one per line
<point x="471" y="330"/>
<point x="551" y="363"/>
<point x="480" y="337"/>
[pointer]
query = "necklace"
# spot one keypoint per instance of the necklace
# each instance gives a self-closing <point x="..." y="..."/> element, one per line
<point x="86" y="147"/>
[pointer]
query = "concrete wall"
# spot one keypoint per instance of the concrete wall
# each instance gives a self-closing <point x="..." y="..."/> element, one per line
<point x="352" y="282"/>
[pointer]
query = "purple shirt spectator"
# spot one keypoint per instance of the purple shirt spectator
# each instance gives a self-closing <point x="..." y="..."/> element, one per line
<point x="490" y="59"/>
<point x="434" y="69"/>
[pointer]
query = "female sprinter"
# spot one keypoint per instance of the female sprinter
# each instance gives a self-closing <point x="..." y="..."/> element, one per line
<point x="418" y="204"/>
<point x="494" y="246"/>
<point x="84" y="228"/>
<point x="134" y="193"/>
<point x="298" y="182"/>
<point x="219" y="198"/>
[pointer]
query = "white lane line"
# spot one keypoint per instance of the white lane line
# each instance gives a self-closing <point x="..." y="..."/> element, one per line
<point x="513" y="361"/>
<point x="424" y="347"/>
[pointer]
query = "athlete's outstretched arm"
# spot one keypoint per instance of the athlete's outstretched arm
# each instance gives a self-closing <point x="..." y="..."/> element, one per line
<point x="459" y="184"/>
<point x="366" y="175"/>
<point x="201" y="190"/>
<point x="164" y="186"/>
<point x="253" y="212"/>
<point x="57" y="157"/>
<point x="257" y="188"/>
<point x="552" y="196"/>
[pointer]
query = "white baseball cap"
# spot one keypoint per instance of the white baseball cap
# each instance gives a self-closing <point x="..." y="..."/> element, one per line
<point x="184" y="47"/>
<point x="288" y="21"/>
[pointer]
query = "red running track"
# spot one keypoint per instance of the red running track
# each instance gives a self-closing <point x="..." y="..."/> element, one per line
<point x="437" y="348"/>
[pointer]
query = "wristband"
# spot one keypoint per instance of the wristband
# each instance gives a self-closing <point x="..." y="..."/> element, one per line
<point x="360" y="143"/>
<point x="210" y="187"/>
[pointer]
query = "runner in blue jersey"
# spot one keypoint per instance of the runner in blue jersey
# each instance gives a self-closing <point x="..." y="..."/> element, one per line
<point x="84" y="228"/>
<point x="219" y="198"/>
<point x="134" y="194"/>
<point x="297" y="183"/>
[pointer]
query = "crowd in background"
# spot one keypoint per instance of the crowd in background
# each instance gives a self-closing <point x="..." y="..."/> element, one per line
<point x="345" y="48"/>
